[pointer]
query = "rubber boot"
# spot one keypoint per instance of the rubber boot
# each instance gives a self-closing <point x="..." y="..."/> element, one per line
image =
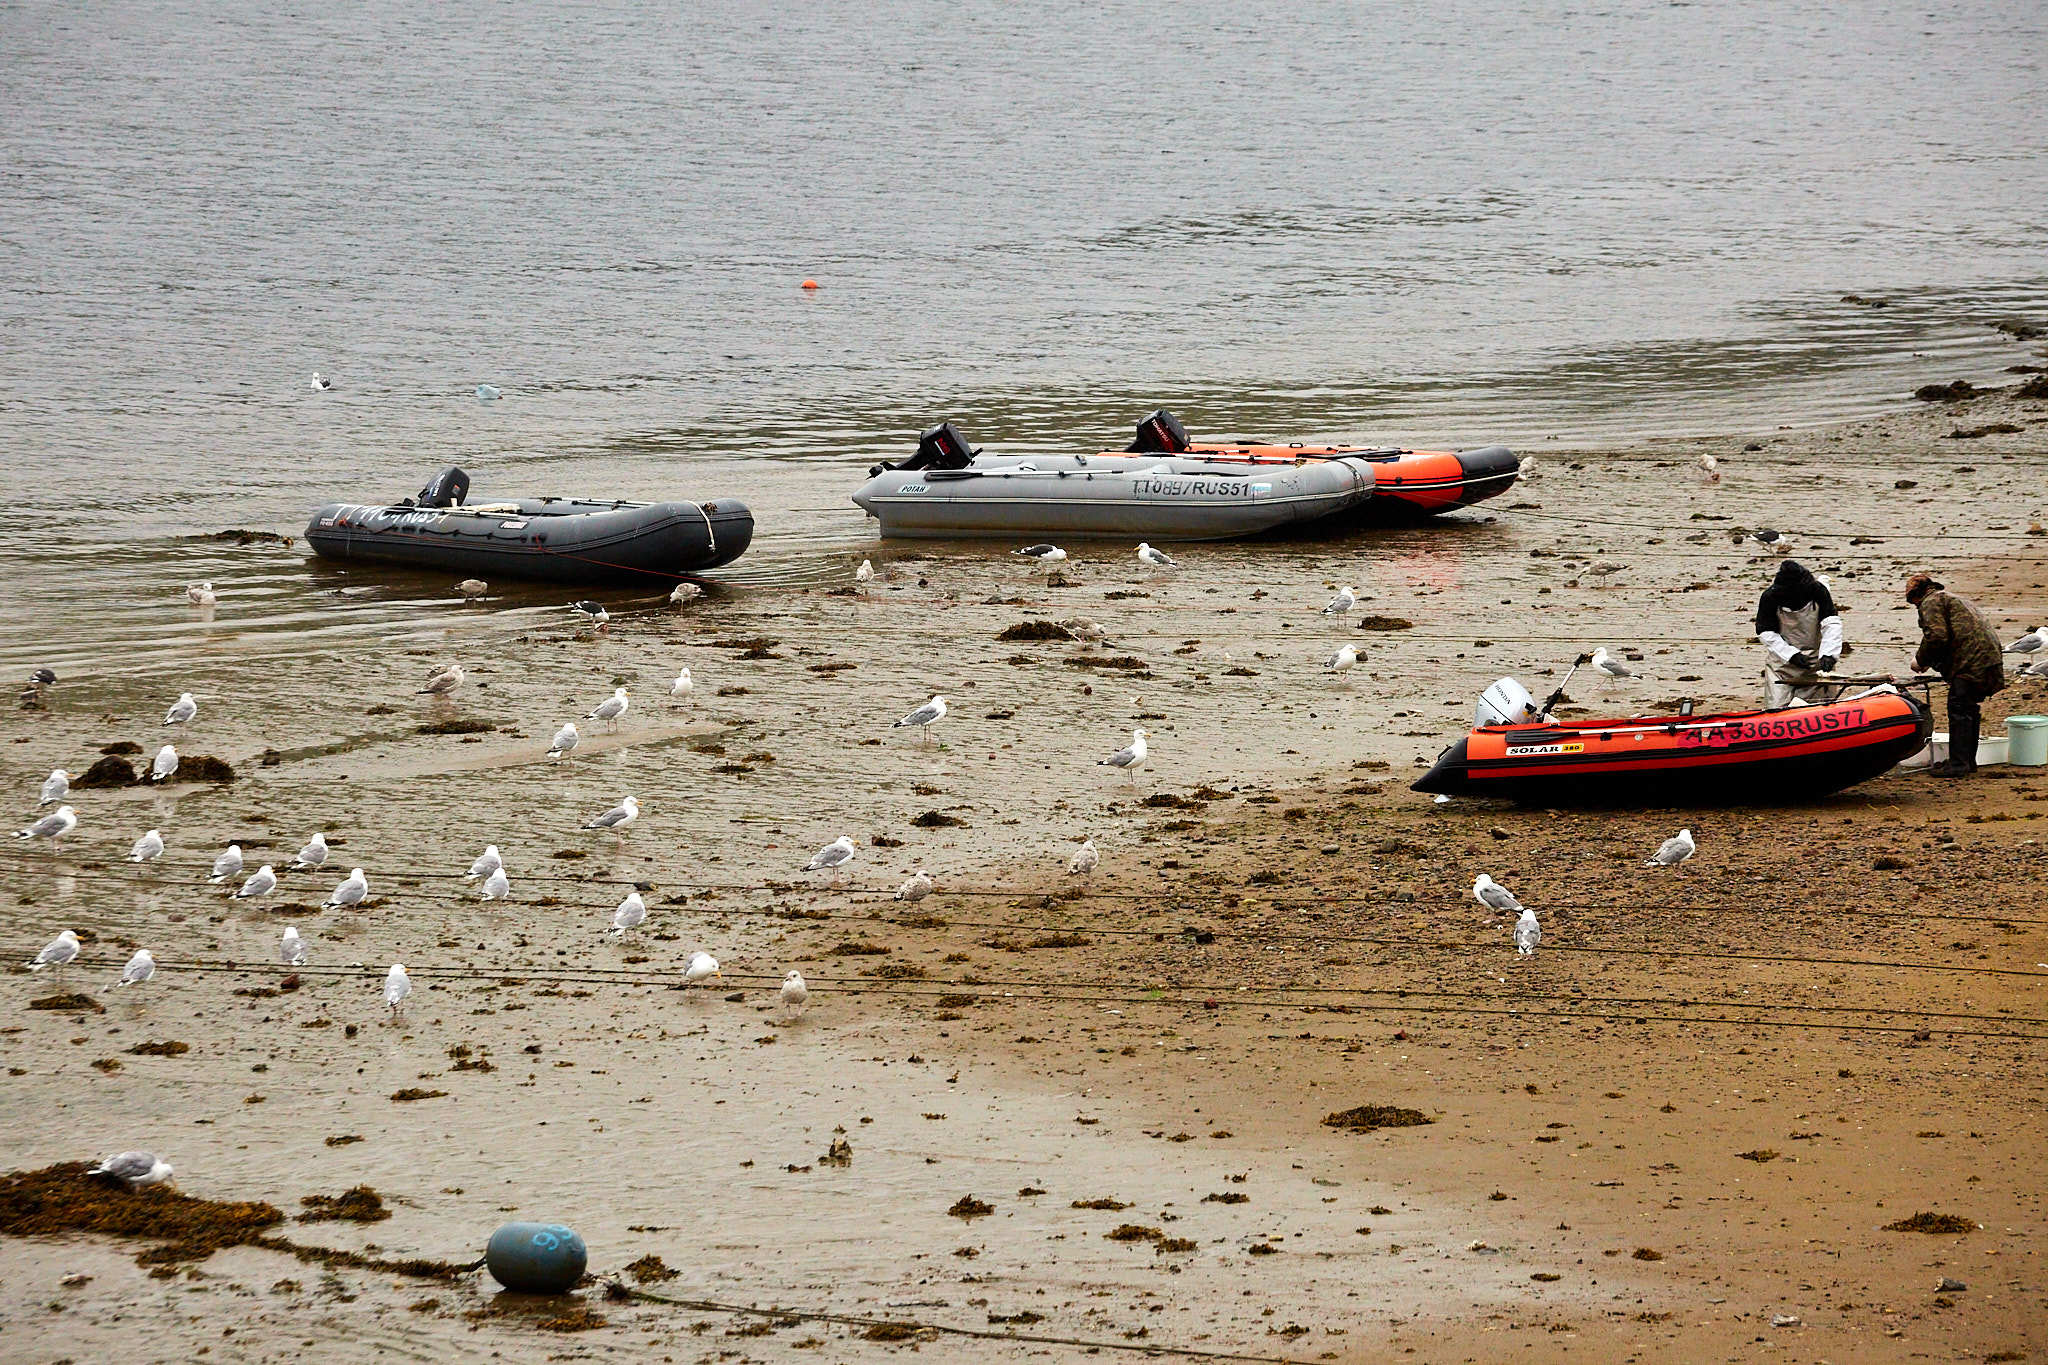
<point x="1962" y="747"/>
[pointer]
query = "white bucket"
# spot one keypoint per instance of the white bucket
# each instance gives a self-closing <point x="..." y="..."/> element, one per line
<point x="1993" y="749"/>
<point x="1990" y="749"/>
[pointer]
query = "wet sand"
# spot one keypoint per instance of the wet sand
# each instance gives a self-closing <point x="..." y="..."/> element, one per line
<point x="1297" y="941"/>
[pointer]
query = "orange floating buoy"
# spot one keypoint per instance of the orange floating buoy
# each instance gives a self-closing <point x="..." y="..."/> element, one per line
<point x="809" y="284"/>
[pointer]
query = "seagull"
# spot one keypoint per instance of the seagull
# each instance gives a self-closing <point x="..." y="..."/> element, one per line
<point x="1527" y="468"/>
<point x="43" y="677"/>
<point x="226" y="865"/>
<point x="2037" y="669"/>
<point x="55" y="825"/>
<point x="443" y="682"/>
<point x="140" y="968"/>
<point x="794" y="993"/>
<point x="469" y="589"/>
<point x="148" y="848"/>
<point x="487" y="862"/>
<point x="610" y="709"/>
<point x="486" y="393"/>
<point x="1044" y="554"/>
<point x="834" y="855"/>
<point x="681" y="686"/>
<point x="1085" y="860"/>
<point x="182" y="710"/>
<point x="1155" y="559"/>
<point x="164" y="764"/>
<point x="1674" y="850"/>
<point x="200" y="594"/>
<point x="352" y="891"/>
<point x="618" y="817"/>
<point x="312" y="855"/>
<point x="1493" y="895"/>
<point x="593" y="612"/>
<point x="926" y="716"/>
<point x="397" y="986"/>
<point x="1344" y="658"/>
<point x="136" y="1170"/>
<point x="1772" y="540"/>
<point x="917" y="888"/>
<point x="864" y="575"/>
<point x="685" y="593"/>
<point x="565" y="740"/>
<point x="1344" y="601"/>
<point x="631" y="914"/>
<point x="1709" y="469"/>
<point x="702" y="966"/>
<point x="497" y="886"/>
<point x="1129" y="759"/>
<point x="58" y="952"/>
<point x="1609" y="667"/>
<point x="1527" y="934"/>
<point x="2032" y="642"/>
<point x="320" y="383"/>
<point x="261" y="882"/>
<point x="292" y="950"/>
<point x="56" y="787"/>
<point x="1084" y="629"/>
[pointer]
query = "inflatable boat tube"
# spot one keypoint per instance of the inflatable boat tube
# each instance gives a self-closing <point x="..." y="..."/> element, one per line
<point x="556" y="540"/>
<point x="1753" y="757"/>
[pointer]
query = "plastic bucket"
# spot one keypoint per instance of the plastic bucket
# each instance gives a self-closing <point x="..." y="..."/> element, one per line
<point x="2028" y="736"/>
<point x="1992" y="749"/>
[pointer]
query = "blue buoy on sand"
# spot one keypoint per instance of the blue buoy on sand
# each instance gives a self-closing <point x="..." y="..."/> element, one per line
<point x="536" y="1258"/>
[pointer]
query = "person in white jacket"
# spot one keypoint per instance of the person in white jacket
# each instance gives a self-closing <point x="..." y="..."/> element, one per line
<point x="1801" y="632"/>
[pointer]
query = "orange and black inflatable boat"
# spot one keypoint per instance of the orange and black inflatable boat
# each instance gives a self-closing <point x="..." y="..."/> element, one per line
<point x="1759" y="757"/>
<point x="1409" y="483"/>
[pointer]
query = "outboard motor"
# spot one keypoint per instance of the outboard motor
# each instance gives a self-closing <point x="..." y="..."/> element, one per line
<point x="940" y="447"/>
<point x="448" y="489"/>
<point x="1160" y="433"/>
<point x="1507" y="702"/>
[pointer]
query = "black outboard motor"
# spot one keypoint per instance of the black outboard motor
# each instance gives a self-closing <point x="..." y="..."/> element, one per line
<point x="940" y="447"/>
<point x="1160" y="433"/>
<point x="448" y="489"/>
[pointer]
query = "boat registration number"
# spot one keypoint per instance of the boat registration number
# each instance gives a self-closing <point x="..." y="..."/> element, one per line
<point x="1525" y="750"/>
<point x="1192" y="488"/>
<point x="1802" y="726"/>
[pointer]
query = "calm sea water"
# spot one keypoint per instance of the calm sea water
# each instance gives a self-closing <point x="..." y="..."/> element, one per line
<point x="1446" y="222"/>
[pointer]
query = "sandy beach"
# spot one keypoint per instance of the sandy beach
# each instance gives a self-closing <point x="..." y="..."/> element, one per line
<point x="1676" y="1133"/>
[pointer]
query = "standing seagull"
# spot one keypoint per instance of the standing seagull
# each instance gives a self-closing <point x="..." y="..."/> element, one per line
<point x="312" y="855"/>
<point x="833" y="856"/>
<point x="1674" y="850"/>
<point x="397" y="986"/>
<point x="56" y="787"/>
<point x="261" y="882"/>
<point x="610" y="709"/>
<point x="2032" y="642"/>
<point x="794" y="993"/>
<point x="55" y="825"/>
<point x="58" y="953"/>
<point x="320" y="383"/>
<point x="685" y="593"/>
<point x="487" y="862"/>
<point x="864" y="575"/>
<point x="926" y="716"/>
<point x="226" y="865"/>
<point x="292" y="950"/>
<point x="354" y="889"/>
<point x="148" y="848"/>
<point x="164" y="764"/>
<point x="140" y="968"/>
<point x="592" y="612"/>
<point x="1709" y="469"/>
<point x="681" y="687"/>
<point x="1609" y="667"/>
<point x="703" y="966"/>
<point x="1085" y="860"/>
<point x="1527" y="934"/>
<point x="444" y="682"/>
<point x="1343" y="659"/>
<point x="1155" y="559"/>
<point x="136" y="1170"/>
<point x="1044" y="554"/>
<point x="182" y="710"/>
<point x="1493" y="895"/>
<point x="497" y="886"/>
<point x="565" y="740"/>
<point x="1130" y="758"/>
<point x="470" y="589"/>
<point x="201" y="594"/>
<point x="618" y="817"/>
<point x="631" y="914"/>
<point x="1773" y="540"/>
<point x="916" y="888"/>
<point x="1344" y="601"/>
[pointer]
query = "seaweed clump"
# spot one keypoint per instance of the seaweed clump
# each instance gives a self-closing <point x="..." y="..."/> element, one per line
<point x="110" y="771"/>
<point x="63" y="1198"/>
<point x="1035" y="630"/>
<point x="1365" y="1118"/>
<point x="1933" y="1223"/>
<point x="359" y="1205"/>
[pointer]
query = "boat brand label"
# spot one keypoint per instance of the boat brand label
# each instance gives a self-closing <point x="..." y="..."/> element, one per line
<point x="1798" y="725"/>
<point x="914" y="488"/>
<point x="1524" y="750"/>
<point x="377" y="518"/>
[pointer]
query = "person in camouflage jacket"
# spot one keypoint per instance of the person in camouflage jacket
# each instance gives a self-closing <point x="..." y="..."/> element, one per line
<point x="1957" y="642"/>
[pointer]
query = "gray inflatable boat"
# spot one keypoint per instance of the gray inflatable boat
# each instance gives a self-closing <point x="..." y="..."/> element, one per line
<point x="556" y="540"/>
<point x="949" y="489"/>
